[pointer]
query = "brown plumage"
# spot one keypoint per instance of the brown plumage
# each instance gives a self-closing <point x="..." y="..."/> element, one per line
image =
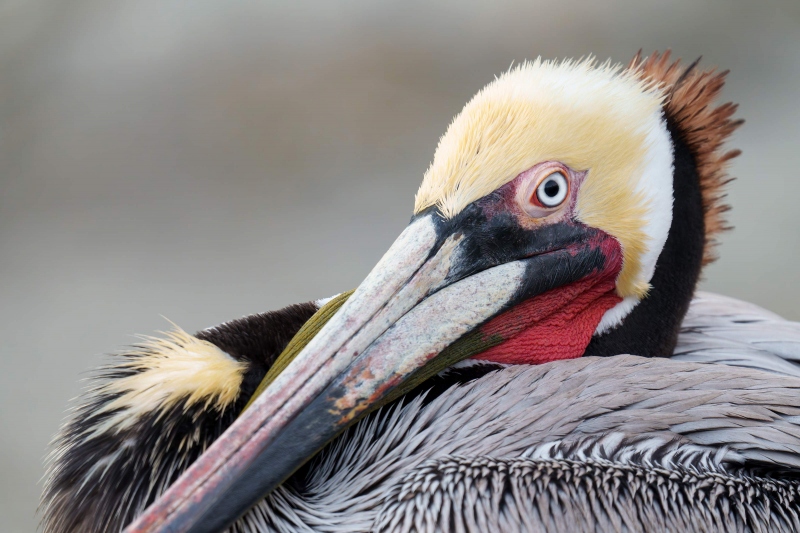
<point x="705" y="127"/>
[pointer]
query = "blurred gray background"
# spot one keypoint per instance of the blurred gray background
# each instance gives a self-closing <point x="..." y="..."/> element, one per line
<point x="205" y="160"/>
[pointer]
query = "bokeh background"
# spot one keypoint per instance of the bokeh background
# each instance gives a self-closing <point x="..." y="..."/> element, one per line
<point x="205" y="160"/>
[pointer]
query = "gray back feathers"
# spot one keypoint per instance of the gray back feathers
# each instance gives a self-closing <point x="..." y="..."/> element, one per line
<point x="719" y="329"/>
<point x="557" y="440"/>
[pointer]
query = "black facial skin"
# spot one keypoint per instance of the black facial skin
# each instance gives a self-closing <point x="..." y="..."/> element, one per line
<point x="555" y="255"/>
<point x="651" y="329"/>
<point x="492" y="236"/>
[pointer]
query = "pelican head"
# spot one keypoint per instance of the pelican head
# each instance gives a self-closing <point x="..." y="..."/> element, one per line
<point x="568" y="210"/>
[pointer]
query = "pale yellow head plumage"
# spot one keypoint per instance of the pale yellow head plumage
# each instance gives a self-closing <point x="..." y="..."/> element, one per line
<point x="598" y="118"/>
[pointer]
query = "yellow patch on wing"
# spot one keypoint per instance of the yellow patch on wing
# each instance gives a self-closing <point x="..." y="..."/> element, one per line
<point x="179" y="368"/>
<point x="590" y="117"/>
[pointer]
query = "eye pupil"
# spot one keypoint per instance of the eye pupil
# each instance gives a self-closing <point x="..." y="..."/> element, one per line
<point x="551" y="188"/>
<point x="552" y="191"/>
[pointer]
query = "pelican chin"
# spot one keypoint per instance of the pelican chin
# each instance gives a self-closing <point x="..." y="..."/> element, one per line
<point x="568" y="211"/>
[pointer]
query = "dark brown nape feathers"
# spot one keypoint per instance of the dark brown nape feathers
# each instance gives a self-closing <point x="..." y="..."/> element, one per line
<point x="704" y="127"/>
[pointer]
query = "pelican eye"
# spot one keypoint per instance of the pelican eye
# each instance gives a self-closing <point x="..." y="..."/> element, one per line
<point x="552" y="190"/>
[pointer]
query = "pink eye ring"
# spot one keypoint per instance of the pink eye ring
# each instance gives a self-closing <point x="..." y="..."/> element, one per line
<point x="545" y="189"/>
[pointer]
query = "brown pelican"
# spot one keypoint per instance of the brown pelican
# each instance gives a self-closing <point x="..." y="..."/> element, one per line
<point x="520" y="359"/>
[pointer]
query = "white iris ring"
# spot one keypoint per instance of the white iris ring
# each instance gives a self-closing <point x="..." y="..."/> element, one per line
<point x="552" y="191"/>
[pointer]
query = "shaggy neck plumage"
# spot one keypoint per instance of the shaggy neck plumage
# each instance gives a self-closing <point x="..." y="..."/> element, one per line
<point x="651" y="329"/>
